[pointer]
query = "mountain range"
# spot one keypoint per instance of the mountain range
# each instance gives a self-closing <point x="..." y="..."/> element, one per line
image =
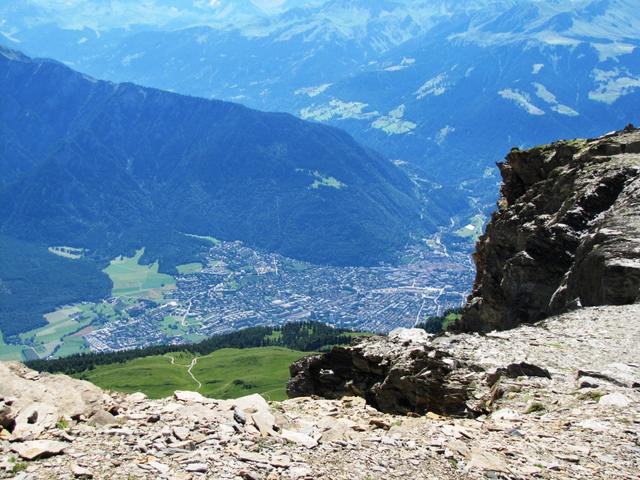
<point x="109" y="168"/>
<point x="445" y="87"/>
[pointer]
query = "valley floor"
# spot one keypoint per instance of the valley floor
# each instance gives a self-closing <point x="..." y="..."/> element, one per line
<point x="583" y="422"/>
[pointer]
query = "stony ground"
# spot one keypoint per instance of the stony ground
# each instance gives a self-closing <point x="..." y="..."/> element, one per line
<point x="583" y="422"/>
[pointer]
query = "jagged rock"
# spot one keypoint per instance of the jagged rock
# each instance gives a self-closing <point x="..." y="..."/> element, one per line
<point x="576" y="437"/>
<point x="516" y="370"/>
<point x="35" y="449"/>
<point x="401" y="373"/>
<point x="566" y="234"/>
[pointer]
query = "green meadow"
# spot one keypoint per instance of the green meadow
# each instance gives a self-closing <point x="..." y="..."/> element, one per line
<point x="130" y="279"/>
<point x="477" y="221"/>
<point x="61" y="324"/>
<point x="226" y="373"/>
<point x="188" y="268"/>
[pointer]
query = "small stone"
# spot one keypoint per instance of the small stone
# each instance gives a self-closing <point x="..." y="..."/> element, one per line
<point x="251" y="457"/>
<point x="102" y="419"/>
<point x="247" y="475"/>
<point x="81" y="472"/>
<point x="379" y="423"/>
<point x="197" y="468"/>
<point x="614" y="400"/>
<point x="239" y="416"/>
<point x="264" y="422"/>
<point x="181" y="433"/>
<point x="590" y="424"/>
<point x="505" y="414"/>
<point x="137" y="397"/>
<point x="299" y="438"/>
<point x="160" y="467"/>
<point x="486" y="462"/>
<point x="588" y="382"/>
<point x="189" y="397"/>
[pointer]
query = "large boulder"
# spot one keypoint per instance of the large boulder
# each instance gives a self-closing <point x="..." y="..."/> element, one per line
<point x="31" y="402"/>
<point x="401" y="373"/>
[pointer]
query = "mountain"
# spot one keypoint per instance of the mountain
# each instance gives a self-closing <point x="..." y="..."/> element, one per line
<point x="443" y="86"/>
<point x="94" y="158"/>
<point x="110" y="168"/>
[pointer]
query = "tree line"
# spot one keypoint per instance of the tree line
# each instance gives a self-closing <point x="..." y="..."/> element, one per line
<point x="302" y="336"/>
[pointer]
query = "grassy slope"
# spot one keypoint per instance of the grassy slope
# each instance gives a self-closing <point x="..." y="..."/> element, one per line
<point x="226" y="373"/>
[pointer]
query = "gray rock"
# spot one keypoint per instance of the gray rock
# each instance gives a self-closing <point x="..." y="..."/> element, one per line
<point x="189" y="397"/>
<point x="394" y="376"/>
<point x="299" y="438"/>
<point x="197" y="468"/>
<point x="80" y="472"/>
<point x="102" y="419"/>
<point x="565" y="235"/>
<point x="35" y="449"/>
<point x="616" y="399"/>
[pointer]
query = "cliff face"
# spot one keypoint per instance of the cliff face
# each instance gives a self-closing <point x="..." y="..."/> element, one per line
<point x="566" y="233"/>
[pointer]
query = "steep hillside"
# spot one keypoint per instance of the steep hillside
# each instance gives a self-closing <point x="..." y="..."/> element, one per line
<point x="120" y="162"/>
<point x="566" y="234"/>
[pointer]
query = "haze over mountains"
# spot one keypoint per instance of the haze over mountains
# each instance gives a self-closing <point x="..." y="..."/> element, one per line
<point x="446" y="86"/>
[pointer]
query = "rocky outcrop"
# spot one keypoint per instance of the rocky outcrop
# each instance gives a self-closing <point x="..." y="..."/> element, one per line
<point x="402" y="373"/>
<point x="566" y="233"/>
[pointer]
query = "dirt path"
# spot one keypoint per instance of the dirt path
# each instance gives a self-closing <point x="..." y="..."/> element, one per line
<point x="193" y="363"/>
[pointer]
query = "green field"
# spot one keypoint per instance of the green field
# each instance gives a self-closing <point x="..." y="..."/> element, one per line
<point x="213" y="240"/>
<point x="226" y="373"/>
<point x="134" y="280"/>
<point x="62" y="335"/>
<point x="475" y="228"/>
<point x="174" y="327"/>
<point x="63" y="322"/>
<point x="188" y="268"/>
<point x="9" y="352"/>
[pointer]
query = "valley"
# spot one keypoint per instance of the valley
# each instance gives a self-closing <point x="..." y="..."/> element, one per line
<point x="236" y="287"/>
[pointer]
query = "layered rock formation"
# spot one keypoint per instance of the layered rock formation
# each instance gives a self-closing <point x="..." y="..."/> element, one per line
<point x="402" y="373"/>
<point x="566" y="233"/>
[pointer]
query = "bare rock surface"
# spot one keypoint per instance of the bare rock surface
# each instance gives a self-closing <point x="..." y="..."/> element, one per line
<point x="566" y="233"/>
<point x="533" y="413"/>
